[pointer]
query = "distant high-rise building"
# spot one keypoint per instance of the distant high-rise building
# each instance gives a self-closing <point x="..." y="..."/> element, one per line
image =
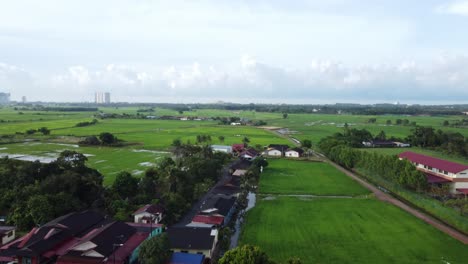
<point x="102" y="98"/>
<point x="107" y="98"/>
<point x="23" y="99"/>
<point x="4" y="98"/>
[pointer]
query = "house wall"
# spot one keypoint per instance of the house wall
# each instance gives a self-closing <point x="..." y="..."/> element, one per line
<point x="462" y="174"/>
<point x="8" y="237"/>
<point x="224" y="150"/>
<point x="292" y="154"/>
<point x="275" y="153"/>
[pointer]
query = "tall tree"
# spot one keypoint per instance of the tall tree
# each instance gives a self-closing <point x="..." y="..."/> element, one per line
<point x="125" y="185"/>
<point x="246" y="254"/>
<point x="155" y="250"/>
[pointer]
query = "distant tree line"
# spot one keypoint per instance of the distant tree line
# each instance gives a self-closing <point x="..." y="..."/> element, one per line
<point x="86" y="123"/>
<point x="450" y="142"/>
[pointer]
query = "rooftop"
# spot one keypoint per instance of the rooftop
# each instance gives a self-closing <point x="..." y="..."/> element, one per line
<point x="191" y="237"/>
<point x="186" y="258"/>
<point x="150" y="208"/>
<point x="434" y="162"/>
<point x="209" y="219"/>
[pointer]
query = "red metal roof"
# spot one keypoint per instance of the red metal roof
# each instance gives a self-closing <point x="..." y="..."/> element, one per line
<point x="434" y="162"/>
<point x="238" y="147"/>
<point x="209" y="219"/>
<point x="127" y="249"/>
<point x="432" y="178"/>
<point x="464" y="191"/>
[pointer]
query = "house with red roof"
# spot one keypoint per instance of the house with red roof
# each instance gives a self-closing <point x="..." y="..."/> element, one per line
<point x="213" y="220"/>
<point x="439" y="171"/>
<point x="149" y="213"/>
<point x="85" y="237"/>
<point x="238" y="148"/>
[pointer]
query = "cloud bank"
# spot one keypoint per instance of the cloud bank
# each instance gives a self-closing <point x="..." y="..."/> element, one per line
<point x="444" y="79"/>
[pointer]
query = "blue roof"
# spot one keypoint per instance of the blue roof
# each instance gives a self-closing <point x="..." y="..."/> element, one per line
<point x="186" y="258"/>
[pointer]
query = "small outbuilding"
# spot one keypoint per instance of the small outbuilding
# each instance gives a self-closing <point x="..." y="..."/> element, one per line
<point x="294" y="153"/>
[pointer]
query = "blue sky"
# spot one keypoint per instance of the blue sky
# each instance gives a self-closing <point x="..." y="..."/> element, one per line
<point x="242" y="51"/>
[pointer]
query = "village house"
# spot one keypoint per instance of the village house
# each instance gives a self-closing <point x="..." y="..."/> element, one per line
<point x="249" y="154"/>
<point x="194" y="240"/>
<point x="238" y="148"/>
<point x="294" y="153"/>
<point x="279" y="149"/>
<point x="220" y="206"/>
<point x="439" y="171"/>
<point x="272" y="152"/>
<point x="84" y="237"/>
<point x="7" y="234"/>
<point x="149" y="213"/>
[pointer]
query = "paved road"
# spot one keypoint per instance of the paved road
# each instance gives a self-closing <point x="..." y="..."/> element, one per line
<point x="187" y="218"/>
<point x="390" y="199"/>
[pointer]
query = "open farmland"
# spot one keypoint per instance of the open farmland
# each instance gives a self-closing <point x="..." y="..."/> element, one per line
<point x="318" y="126"/>
<point x="303" y="177"/>
<point x="324" y="230"/>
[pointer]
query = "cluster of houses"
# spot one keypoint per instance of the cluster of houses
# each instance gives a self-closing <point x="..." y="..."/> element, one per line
<point x="272" y="150"/>
<point x="440" y="172"/>
<point x="196" y="241"/>
<point x="385" y="144"/>
<point x="89" y="237"/>
<point x="83" y="237"/>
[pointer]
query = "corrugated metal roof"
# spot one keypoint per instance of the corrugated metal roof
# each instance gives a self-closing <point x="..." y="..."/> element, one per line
<point x="434" y="162"/>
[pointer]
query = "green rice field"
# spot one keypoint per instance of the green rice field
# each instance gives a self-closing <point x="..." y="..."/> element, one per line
<point x="303" y="177"/>
<point x="326" y="230"/>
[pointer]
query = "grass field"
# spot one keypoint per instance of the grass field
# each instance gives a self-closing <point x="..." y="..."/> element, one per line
<point x="303" y="177"/>
<point x="346" y="231"/>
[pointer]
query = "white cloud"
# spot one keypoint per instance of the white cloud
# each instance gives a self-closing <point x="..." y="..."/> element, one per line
<point x="457" y="8"/>
<point x="444" y="79"/>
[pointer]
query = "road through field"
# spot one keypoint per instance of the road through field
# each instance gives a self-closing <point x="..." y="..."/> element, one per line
<point x="390" y="199"/>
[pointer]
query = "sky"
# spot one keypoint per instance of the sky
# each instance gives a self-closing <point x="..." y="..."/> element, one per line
<point x="304" y="51"/>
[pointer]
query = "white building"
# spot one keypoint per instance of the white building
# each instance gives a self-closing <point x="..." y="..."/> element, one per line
<point x="294" y="153"/>
<point x="102" y="98"/>
<point x="273" y="152"/>
<point x="7" y="234"/>
<point x="4" y="98"/>
<point x="222" y="148"/>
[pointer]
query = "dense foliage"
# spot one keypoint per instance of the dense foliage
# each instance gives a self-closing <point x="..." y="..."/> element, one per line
<point x="246" y="254"/>
<point x="34" y="193"/>
<point x="391" y="168"/>
<point x="174" y="183"/>
<point x="155" y="250"/>
<point x="450" y="142"/>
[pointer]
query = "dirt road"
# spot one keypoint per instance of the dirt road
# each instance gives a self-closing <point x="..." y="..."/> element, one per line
<point x="390" y="199"/>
